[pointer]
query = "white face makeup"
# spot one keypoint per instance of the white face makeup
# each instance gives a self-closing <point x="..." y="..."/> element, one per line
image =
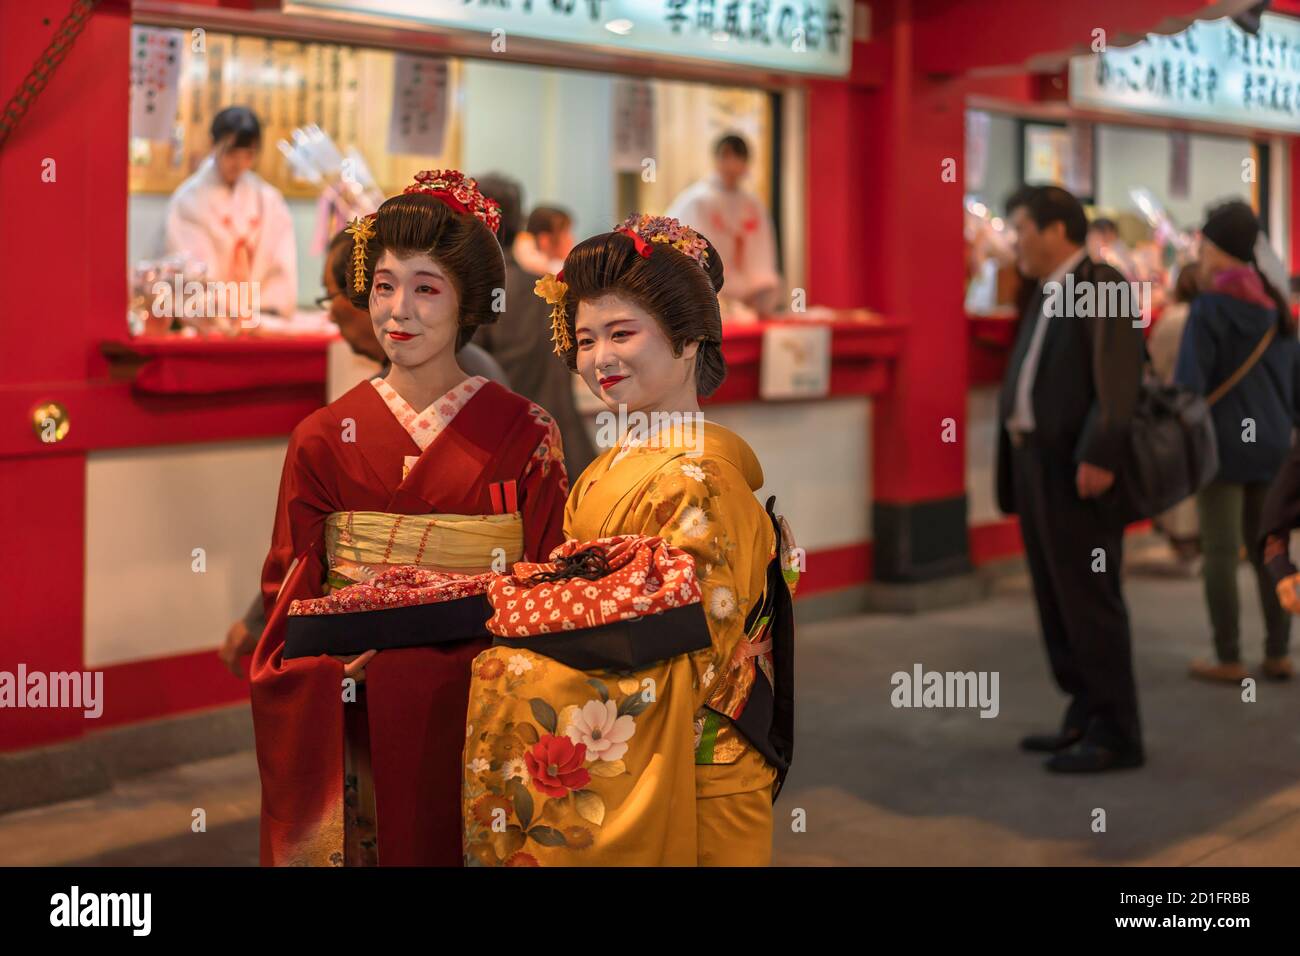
<point x="626" y="359"/>
<point x="414" y="308"/>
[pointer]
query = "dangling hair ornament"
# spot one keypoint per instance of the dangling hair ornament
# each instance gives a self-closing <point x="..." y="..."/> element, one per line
<point x="553" y="289"/>
<point x="362" y="230"/>
<point x="459" y="192"/>
<point x="644" y="230"/>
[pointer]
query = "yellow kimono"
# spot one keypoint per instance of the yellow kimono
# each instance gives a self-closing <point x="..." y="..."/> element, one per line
<point x="666" y="779"/>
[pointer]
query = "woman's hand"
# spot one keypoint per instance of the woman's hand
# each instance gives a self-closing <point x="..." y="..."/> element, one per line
<point x="1286" y="593"/>
<point x="355" y="667"/>
<point x="238" y="643"/>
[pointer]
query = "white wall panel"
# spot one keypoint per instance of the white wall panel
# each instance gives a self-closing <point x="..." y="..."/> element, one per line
<point x="816" y="459"/>
<point x="146" y="511"/>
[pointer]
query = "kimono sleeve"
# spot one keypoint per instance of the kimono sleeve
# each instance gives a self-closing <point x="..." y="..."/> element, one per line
<point x="186" y="232"/>
<point x="278" y="263"/>
<point x="702" y="507"/>
<point x="544" y="488"/>
<point x="301" y="508"/>
<point x="761" y="254"/>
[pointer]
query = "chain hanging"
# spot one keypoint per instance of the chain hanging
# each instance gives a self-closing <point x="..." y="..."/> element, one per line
<point x="46" y="64"/>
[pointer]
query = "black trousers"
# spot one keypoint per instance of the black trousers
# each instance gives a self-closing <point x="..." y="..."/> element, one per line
<point x="1081" y="610"/>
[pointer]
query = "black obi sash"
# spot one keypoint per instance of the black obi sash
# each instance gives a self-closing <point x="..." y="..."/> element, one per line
<point x="384" y="629"/>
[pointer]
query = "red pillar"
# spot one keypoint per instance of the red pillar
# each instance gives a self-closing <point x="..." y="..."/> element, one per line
<point x="1293" y="196"/>
<point x="63" y="251"/>
<point x="885" y="217"/>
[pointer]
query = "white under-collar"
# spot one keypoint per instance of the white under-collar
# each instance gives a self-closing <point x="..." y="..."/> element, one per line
<point x="424" y="426"/>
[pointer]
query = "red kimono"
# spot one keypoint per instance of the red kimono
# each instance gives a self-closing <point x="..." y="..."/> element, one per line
<point x="349" y="456"/>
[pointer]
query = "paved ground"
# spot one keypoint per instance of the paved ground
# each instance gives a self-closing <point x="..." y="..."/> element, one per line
<point x="884" y="786"/>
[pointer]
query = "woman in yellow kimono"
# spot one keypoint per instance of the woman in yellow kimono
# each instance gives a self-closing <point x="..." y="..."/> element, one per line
<point x="675" y="761"/>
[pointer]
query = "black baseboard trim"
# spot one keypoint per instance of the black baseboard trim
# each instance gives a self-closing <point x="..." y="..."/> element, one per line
<point x="920" y="541"/>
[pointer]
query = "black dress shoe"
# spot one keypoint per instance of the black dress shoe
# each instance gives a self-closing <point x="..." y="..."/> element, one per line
<point x="1051" y="743"/>
<point x="1089" y="757"/>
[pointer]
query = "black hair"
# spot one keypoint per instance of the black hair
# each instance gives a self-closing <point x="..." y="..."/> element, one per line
<point x="510" y="195"/>
<point x="670" y="285"/>
<point x="731" y="143"/>
<point x="1019" y="197"/>
<point x="239" y="122"/>
<point x="549" y="220"/>
<point x="417" y="223"/>
<point x="1048" y="204"/>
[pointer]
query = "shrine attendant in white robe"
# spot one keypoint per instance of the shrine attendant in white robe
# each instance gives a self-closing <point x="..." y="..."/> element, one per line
<point x="233" y="219"/>
<point x="738" y="225"/>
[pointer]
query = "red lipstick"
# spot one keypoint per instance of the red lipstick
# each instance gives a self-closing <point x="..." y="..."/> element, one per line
<point x="400" y="336"/>
<point x="611" y="381"/>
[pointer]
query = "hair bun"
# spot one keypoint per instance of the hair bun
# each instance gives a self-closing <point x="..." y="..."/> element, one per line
<point x="713" y="265"/>
<point x="710" y="367"/>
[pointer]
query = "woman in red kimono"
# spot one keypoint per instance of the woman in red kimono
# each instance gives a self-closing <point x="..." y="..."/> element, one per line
<point x="360" y="755"/>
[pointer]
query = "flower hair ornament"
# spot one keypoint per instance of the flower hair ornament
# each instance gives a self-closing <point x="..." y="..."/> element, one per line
<point x="460" y="193"/>
<point x="451" y="187"/>
<point x="644" y="230"/>
<point x="553" y="289"/>
<point x="362" y="230"/>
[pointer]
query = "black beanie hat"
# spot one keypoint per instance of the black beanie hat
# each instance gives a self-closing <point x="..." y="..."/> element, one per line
<point x="1232" y="227"/>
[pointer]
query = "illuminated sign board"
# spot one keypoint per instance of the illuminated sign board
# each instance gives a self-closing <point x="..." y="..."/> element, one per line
<point x="798" y="36"/>
<point x="1211" y="71"/>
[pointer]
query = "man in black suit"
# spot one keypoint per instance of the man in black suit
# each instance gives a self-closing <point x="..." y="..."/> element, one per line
<point x="1066" y="401"/>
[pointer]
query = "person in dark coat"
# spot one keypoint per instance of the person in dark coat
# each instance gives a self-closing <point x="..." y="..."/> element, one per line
<point x="1278" y="518"/>
<point x="1237" y="313"/>
<point x="520" y="339"/>
<point x="1068" y="396"/>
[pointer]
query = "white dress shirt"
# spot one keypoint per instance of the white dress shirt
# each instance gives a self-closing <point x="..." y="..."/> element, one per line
<point x="1022" y="410"/>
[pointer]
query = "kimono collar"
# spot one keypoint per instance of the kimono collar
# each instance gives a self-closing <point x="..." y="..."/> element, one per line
<point x="207" y="170"/>
<point x="718" y="442"/>
<point x="425" y="426"/>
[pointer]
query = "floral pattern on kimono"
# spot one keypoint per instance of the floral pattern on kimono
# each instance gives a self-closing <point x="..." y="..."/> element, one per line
<point x="550" y="452"/>
<point x="681" y="506"/>
<point x="594" y="768"/>
<point x="535" y="785"/>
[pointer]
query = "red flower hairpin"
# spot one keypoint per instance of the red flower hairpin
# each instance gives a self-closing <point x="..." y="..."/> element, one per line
<point x="642" y="247"/>
<point x="459" y="192"/>
<point x="644" y="230"/>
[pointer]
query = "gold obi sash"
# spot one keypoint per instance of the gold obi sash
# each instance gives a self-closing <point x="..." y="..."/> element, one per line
<point x="360" y="544"/>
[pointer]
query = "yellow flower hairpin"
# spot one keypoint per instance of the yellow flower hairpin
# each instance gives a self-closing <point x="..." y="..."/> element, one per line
<point x="553" y="289"/>
<point x="362" y="230"/>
